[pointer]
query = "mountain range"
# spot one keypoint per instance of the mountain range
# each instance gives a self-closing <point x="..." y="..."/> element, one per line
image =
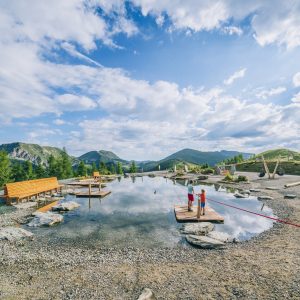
<point x="40" y="154"/>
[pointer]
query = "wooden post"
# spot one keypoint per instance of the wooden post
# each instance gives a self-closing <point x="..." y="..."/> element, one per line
<point x="198" y="209"/>
<point x="277" y="164"/>
<point x="90" y="189"/>
<point x="266" y="167"/>
<point x="99" y="184"/>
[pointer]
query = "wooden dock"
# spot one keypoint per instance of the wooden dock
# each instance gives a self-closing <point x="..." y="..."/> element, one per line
<point x="183" y="215"/>
<point x="86" y="184"/>
<point x="93" y="194"/>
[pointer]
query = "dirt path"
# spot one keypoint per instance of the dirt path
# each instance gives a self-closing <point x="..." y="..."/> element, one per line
<point x="266" y="267"/>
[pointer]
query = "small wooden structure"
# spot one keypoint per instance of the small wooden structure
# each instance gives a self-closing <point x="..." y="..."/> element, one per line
<point x="30" y="188"/>
<point x="183" y="215"/>
<point x="96" y="175"/>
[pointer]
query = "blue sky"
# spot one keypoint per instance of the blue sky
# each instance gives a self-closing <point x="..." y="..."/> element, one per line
<point x="147" y="78"/>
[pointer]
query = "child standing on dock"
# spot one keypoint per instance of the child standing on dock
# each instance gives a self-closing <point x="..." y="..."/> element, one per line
<point x="190" y="196"/>
<point x="202" y="202"/>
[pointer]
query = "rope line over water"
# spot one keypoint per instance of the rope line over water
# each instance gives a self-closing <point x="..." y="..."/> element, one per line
<point x="254" y="213"/>
<point x="249" y="211"/>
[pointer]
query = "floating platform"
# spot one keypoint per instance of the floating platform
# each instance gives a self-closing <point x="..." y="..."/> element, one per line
<point x="47" y="207"/>
<point x="183" y="215"/>
<point x="93" y="194"/>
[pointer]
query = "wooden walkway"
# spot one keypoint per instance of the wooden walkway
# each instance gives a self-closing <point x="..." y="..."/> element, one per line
<point x="93" y="194"/>
<point x="183" y="215"/>
<point x="47" y="207"/>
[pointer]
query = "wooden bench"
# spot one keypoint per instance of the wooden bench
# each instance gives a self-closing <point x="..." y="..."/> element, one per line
<point x="30" y="188"/>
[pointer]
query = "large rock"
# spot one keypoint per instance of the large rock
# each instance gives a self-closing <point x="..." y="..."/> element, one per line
<point x="45" y="219"/>
<point x="290" y="196"/>
<point x="265" y="198"/>
<point x="147" y="294"/>
<point x="13" y="234"/>
<point x="25" y="205"/>
<point x="204" y="242"/>
<point x="239" y="195"/>
<point x="65" y="206"/>
<point x="200" y="228"/>
<point x="255" y="190"/>
<point x="220" y="236"/>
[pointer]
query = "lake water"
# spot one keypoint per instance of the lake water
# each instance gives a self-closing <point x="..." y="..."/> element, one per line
<point x="140" y="213"/>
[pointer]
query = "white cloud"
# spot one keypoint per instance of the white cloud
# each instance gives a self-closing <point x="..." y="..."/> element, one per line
<point x="231" y="30"/>
<point x="238" y="74"/>
<point x="60" y="122"/>
<point x="296" y="98"/>
<point x="272" y="21"/>
<point x="264" y="94"/>
<point x="296" y="79"/>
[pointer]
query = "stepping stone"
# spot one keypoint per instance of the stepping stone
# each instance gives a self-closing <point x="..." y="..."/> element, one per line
<point x="65" y="206"/>
<point x="204" y="242"/>
<point x="238" y="195"/>
<point x="290" y="196"/>
<point x="45" y="219"/>
<point x="197" y="228"/>
<point x="272" y="188"/>
<point x="265" y="198"/>
<point x="220" y="236"/>
<point x="13" y="234"/>
<point x="254" y="190"/>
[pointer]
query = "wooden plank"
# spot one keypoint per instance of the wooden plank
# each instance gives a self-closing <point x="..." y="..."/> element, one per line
<point x="86" y="184"/>
<point x="292" y="184"/>
<point x="183" y="215"/>
<point x="94" y="194"/>
<point x="47" y="207"/>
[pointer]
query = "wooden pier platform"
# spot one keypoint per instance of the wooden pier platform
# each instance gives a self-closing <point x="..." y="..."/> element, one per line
<point x="183" y="215"/>
<point x="86" y="184"/>
<point x="93" y="194"/>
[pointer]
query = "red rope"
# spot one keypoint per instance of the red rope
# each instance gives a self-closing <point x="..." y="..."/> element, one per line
<point x="261" y="215"/>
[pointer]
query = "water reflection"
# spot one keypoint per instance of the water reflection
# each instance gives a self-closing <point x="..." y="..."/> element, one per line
<point x="140" y="212"/>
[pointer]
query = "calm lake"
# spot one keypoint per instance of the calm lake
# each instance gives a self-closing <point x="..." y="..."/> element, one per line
<point x="140" y="213"/>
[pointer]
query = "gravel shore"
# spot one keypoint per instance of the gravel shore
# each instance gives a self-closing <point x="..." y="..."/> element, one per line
<point x="265" y="267"/>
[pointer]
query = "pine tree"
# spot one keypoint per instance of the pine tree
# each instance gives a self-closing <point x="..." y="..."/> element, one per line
<point x="81" y="170"/>
<point x="94" y="167"/>
<point x="28" y="170"/>
<point x="18" y="172"/>
<point x="132" y="167"/>
<point x="113" y="169"/>
<point x="119" y="168"/>
<point x="40" y="171"/>
<point x="67" y="171"/>
<point x="51" y="166"/>
<point x="5" y="169"/>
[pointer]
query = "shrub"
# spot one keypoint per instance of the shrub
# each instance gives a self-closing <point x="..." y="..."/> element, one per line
<point x="228" y="177"/>
<point x="207" y="171"/>
<point x="241" y="178"/>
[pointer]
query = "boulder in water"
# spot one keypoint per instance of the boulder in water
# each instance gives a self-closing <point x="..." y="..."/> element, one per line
<point x="45" y="219"/>
<point x="13" y="234"/>
<point x="200" y="228"/>
<point x="204" y="242"/>
<point x="254" y="190"/>
<point x="65" y="206"/>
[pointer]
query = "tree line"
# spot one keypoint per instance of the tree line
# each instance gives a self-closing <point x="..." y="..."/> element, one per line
<point x="60" y="167"/>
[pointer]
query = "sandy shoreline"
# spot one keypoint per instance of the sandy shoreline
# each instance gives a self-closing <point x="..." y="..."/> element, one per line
<point x="265" y="267"/>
